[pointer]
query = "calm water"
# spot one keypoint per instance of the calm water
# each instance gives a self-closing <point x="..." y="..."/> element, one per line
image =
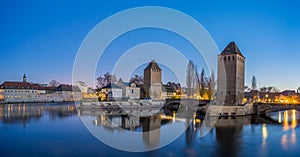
<point x="57" y="130"/>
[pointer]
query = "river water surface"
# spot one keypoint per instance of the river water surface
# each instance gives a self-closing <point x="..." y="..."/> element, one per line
<point x="56" y="129"/>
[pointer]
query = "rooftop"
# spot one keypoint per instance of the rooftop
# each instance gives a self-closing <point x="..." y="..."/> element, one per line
<point x="153" y="65"/>
<point x="231" y="48"/>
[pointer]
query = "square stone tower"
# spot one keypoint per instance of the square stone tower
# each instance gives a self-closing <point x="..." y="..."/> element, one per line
<point x="153" y="81"/>
<point x="231" y="75"/>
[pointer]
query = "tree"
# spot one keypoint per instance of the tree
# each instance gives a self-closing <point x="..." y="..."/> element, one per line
<point x="137" y="79"/>
<point x="53" y="83"/>
<point x="202" y="82"/>
<point x="298" y="90"/>
<point x="253" y="83"/>
<point x="105" y="80"/>
<point x="190" y="79"/>
<point x="269" y="89"/>
<point x="247" y="89"/>
<point x="211" y="86"/>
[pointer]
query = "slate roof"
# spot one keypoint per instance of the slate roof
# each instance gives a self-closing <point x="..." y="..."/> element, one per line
<point x="111" y="85"/>
<point x="33" y="86"/>
<point x="20" y="85"/>
<point x="65" y="87"/>
<point x="168" y="89"/>
<point x="231" y="48"/>
<point x="153" y="65"/>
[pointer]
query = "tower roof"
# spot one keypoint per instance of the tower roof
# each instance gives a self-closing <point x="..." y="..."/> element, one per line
<point x="153" y="65"/>
<point x="231" y="48"/>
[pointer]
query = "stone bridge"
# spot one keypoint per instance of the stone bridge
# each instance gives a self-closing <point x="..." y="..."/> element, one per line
<point x="264" y="108"/>
<point x="188" y="102"/>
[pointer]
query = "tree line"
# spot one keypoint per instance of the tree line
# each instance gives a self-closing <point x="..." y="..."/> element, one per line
<point x="199" y="84"/>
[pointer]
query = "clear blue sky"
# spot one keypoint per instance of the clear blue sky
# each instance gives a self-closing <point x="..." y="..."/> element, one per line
<point x="41" y="39"/>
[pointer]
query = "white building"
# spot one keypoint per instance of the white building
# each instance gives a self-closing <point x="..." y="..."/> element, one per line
<point x="13" y="92"/>
<point x="82" y="86"/>
<point x="22" y="92"/>
<point x="112" y="92"/>
<point x="129" y="90"/>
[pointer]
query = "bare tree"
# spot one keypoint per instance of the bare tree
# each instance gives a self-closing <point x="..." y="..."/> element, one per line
<point x="253" y="83"/>
<point x="269" y="89"/>
<point x="211" y="86"/>
<point x="202" y="83"/>
<point x="106" y="79"/>
<point x="53" y="83"/>
<point x="190" y="79"/>
<point x="137" y="79"/>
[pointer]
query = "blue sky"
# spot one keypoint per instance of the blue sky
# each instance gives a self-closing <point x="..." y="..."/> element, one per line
<point x="41" y="39"/>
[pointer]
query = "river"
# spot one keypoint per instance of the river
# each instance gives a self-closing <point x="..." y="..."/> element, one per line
<point x="57" y="129"/>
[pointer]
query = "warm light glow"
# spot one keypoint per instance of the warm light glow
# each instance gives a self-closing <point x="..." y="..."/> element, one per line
<point x="264" y="134"/>
<point x="294" y="119"/>
<point x="279" y="117"/>
<point x="285" y="121"/>
<point x="174" y="115"/>
<point x="198" y="120"/>
<point x="284" y="141"/>
<point x="96" y="122"/>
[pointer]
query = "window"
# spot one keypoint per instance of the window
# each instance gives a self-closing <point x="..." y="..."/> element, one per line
<point x="228" y="58"/>
<point x="232" y="57"/>
<point x="225" y="58"/>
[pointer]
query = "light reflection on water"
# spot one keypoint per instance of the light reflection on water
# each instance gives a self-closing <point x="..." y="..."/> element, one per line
<point x="56" y="130"/>
<point x="289" y="124"/>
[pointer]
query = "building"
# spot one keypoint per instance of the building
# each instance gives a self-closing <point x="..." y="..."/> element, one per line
<point x="111" y="92"/>
<point x="129" y="90"/>
<point x="231" y="75"/>
<point x="13" y="92"/>
<point x="153" y="81"/>
<point x="169" y="92"/>
<point x="22" y="92"/>
<point x="68" y="92"/>
<point x="82" y="86"/>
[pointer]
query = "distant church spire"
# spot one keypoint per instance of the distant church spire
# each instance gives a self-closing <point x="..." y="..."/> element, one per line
<point x="24" y="78"/>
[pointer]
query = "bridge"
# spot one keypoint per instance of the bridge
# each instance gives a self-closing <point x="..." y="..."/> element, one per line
<point x="264" y="108"/>
<point x="188" y="102"/>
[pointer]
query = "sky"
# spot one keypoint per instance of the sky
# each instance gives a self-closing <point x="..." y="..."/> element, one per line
<point x="41" y="38"/>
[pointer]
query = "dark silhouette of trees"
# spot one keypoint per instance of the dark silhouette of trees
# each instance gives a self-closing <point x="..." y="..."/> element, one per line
<point x="253" y="83"/>
<point x="137" y="79"/>
<point x="199" y="83"/>
<point x="191" y="79"/>
<point x="203" y="82"/>
<point x="105" y="80"/>
<point x="53" y="83"/>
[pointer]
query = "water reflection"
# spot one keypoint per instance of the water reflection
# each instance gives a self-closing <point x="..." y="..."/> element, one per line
<point x="151" y="129"/>
<point x="22" y="113"/>
<point x="239" y="136"/>
<point x="264" y="134"/>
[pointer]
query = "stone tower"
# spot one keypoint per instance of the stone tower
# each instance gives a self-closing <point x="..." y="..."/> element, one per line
<point x="231" y="75"/>
<point x="153" y="81"/>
